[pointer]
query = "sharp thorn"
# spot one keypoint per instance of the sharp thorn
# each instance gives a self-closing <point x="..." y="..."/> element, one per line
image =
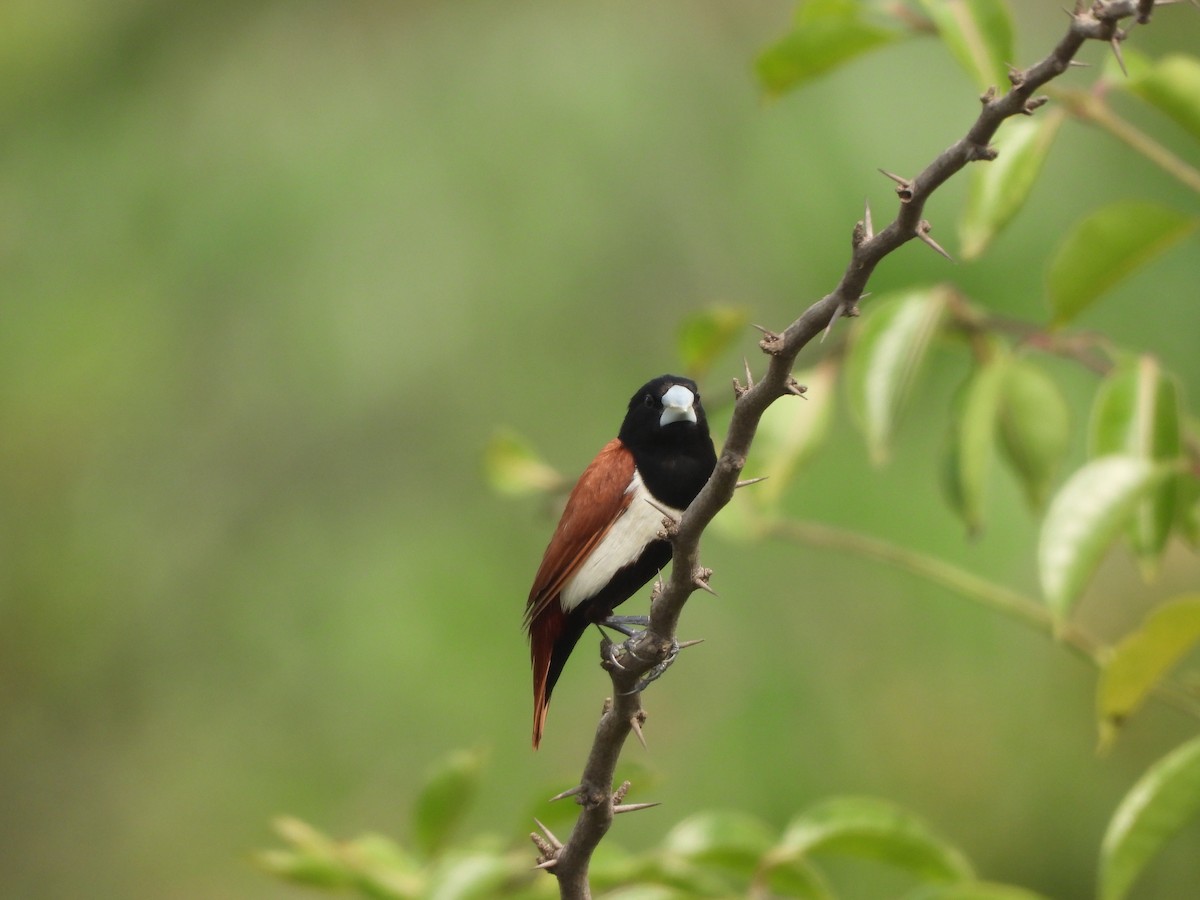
<point x="899" y="179"/>
<point x="867" y="224"/>
<point x="749" y="481"/>
<point x="795" y="387"/>
<point x="548" y="864"/>
<point x="1078" y="64"/>
<point x="923" y="234"/>
<point x="749" y="377"/>
<point x="636" y="727"/>
<point x="1116" y="48"/>
<point x="685" y="644"/>
<point x="578" y="789"/>
<point x="656" y="591"/>
<point x="549" y="834"/>
<point x="828" y="328"/>
<point x="702" y="584"/>
<point x="766" y="331"/>
<point x="632" y="807"/>
<point x="667" y="513"/>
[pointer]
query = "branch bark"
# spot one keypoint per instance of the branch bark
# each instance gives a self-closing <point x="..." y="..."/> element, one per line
<point x="624" y="712"/>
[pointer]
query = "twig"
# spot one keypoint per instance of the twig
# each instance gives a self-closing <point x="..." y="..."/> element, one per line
<point x="967" y="584"/>
<point x="1099" y="22"/>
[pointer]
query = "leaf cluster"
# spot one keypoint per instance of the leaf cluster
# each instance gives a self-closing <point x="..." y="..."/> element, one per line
<point x="716" y="853"/>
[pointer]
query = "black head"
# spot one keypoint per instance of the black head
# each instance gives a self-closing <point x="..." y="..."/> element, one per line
<point x="667" y="432"/>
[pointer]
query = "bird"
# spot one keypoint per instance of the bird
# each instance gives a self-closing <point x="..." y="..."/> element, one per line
<point x="609" y="543"/>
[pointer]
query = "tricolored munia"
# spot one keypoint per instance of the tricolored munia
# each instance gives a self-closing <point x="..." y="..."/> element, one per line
<point x="608" y="543"/>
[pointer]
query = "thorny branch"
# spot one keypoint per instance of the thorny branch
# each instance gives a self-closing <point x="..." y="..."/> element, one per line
<point x="623" y="713"/>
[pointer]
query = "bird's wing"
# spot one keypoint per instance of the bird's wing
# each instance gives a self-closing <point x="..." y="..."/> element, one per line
<point x="595" y="503"/>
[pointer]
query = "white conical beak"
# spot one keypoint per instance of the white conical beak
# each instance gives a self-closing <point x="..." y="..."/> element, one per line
<point x="678" y="405"/>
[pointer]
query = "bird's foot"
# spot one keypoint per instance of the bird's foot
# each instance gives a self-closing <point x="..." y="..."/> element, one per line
<point x="657" y="672"/>
<point x="623" y="623"/>
<point x="613" y="652"/>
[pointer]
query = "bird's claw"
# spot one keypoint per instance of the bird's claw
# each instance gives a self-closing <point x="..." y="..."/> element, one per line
<point x="612" y="656"/>
<point x="656" y="673"/>
<point x="658" y="669"/>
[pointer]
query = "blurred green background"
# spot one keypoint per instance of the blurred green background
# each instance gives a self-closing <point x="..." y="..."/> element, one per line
<point x="272" y="275"/>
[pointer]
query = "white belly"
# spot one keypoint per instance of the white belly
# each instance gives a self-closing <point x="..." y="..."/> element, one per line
<point x="638" y="525"/>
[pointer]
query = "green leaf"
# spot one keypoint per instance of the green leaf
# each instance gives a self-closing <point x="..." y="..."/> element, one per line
<point x="732" y="839"/>
<point x="372" y="864"/>
<point x="792" y="878"/>
<point x="869" y="828"/>
<point x="974" y="890"/>
<point x="1084" y="518"/>
<point x="1172" y="85"/>
<point x="826" y="33"/>
<point x="469" y="876"/>
<point x="1137" y="413"/>
<point x="972" y="436"/>
<point x="979" y="33"/>
<point x="1142" y="658"/>
<point x="647" y="892"/>
<point x="443" y="802"/>
<point x="1164" y="799"/>
<point x="383" y="869"/>
<point x="705" y="335"/>
<point x="1187" y="507"/>
<point x="888" y="350"/>
<point x="790" y="433"/>
<point x="511" y="466"/>
<point x="312" y="859"/>
<point x="998" y="189"/>
<point x="1034" y="428"/>
<point x="1107" y="246"/>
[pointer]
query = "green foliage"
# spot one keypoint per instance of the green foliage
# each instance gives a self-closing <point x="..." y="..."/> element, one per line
<point x="1165" y="799"/>
<point x="1137" y="412"/>
<point x="791" y="434"/>
<point x="979" y="33"/>
<point x="887" y="352"/>
<point x="974" y="418"/>
<point x="1035" y="428"/>
<point x="719" y="854"/>
<point x="1084" y="519"/>
<point x="825" y="34"/>
<point x="869" y="828"/>
<point x="1172" y="85"/>
<point x="449" y="790"/>
<point x="705" y="335"/>
<point x="1107" y="246"/>
<point x="998" y="190"/>
<point x="1141" y="659"/>
<point x="512" y="467"/>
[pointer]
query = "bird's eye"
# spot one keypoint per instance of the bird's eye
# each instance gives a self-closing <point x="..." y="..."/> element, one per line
<point x="648" y="401"/>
